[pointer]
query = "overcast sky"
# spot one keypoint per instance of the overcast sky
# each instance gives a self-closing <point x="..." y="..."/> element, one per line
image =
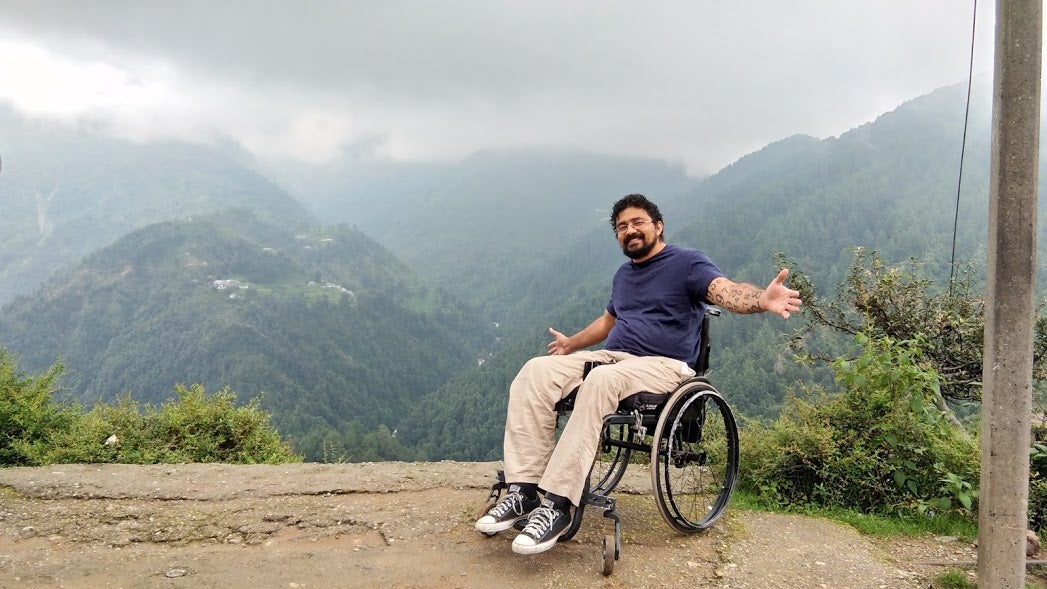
<point x="694" y="81"/>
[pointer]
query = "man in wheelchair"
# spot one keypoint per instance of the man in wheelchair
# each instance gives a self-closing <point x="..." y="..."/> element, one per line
<point x="650" y="329"/>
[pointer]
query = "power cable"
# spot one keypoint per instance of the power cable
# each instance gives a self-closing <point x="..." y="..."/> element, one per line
<point x="963" y="148"/>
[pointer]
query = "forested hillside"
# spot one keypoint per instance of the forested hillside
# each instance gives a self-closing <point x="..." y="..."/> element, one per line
<point x="339" y="337"/>
<point x="65" y="194"/>
<point x="888" y="186"/>
<point x="361" y="355"/>
<point x="338" y="364"/>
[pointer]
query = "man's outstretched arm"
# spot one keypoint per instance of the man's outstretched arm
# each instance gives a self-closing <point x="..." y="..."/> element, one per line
<point x="739" y="297"/>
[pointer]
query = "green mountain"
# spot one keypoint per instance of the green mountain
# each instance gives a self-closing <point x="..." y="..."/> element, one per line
<point x="889" y="186"/>
<point x="357" y="351"/>
<point x="144" y="313"/>
<point x="335" y="333"/>
<point x="66" y="193"/>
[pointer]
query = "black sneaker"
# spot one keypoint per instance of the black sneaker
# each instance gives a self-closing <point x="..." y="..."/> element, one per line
<point x="514" y="507"/>
<point x="546" y="524"/>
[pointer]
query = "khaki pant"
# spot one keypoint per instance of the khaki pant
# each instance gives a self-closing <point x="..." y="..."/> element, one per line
<point x="531" y="455"/>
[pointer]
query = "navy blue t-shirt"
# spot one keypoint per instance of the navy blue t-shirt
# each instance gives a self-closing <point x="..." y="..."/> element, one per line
<point x="658" y="304"/>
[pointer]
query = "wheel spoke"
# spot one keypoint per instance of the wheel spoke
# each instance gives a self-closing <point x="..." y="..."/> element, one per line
<point x="698" y="463"/>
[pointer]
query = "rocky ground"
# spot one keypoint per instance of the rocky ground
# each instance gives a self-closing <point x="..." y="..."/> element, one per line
<point x="398" y="525"/>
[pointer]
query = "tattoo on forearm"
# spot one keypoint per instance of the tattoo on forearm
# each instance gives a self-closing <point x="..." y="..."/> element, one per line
<point x="740" y="298"/>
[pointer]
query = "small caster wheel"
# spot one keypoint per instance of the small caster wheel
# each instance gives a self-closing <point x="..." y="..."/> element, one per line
<point x="608" y="555"/>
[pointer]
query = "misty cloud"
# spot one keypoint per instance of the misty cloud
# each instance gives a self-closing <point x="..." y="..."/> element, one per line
<point x="701" y="83"/>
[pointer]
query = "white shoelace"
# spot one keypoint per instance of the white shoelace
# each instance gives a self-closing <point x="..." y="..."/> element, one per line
<point x="512" y="502"/>
<point x="540" y="521"/>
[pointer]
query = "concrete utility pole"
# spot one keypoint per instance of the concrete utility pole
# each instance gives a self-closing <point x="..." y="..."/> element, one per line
<point x="1010" y="310"/>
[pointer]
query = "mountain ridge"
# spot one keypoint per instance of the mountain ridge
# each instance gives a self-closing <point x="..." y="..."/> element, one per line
<point x="321" y="324"/>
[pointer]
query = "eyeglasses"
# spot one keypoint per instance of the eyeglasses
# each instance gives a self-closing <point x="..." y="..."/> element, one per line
<point x="635" y="224"/>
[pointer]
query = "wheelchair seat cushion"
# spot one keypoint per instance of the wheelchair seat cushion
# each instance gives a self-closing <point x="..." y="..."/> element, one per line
<point x="644" y="402"/>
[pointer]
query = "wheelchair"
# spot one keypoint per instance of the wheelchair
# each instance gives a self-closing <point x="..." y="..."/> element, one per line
<point x="691" y="438"/>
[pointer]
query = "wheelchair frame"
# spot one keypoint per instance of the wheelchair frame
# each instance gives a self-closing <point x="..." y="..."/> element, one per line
<point x="693" y="469"/>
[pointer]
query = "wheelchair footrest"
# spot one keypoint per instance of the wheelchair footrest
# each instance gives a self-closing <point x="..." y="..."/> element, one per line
<point x="498" y="486"/>
<point x="599" y="501"/>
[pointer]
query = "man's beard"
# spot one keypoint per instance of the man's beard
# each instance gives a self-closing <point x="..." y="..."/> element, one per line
<point x="641" y="251"/>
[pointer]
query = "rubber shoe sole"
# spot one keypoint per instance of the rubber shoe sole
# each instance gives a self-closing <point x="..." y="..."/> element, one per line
<point x="493" y="527"/>
<point x="540" y="533"/>
<point x="522" y="544"/>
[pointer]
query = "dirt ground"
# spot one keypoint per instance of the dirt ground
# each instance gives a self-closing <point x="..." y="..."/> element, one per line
<point x="397" y="525"/>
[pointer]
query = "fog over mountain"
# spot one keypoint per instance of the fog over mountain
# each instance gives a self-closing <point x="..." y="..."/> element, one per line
<point x="696" y="83"/>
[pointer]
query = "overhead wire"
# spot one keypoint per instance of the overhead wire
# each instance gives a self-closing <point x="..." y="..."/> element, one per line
<point x="963" y="148"/>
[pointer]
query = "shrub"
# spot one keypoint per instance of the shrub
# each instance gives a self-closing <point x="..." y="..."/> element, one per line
<point x="88" y="439"/>
<point x="899" y="302"/>
<point x="785" y="462"/>
<point x="29" y="416"/>
<point x="881" y="445"/>
<point x="1038" y="476"/>
<point x="201" y="429"/>
<point x="37" y="430"/>
<point x="194" y="428"/>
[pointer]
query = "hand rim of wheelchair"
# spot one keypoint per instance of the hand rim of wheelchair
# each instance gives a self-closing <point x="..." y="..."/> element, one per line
<point x="673" y="452"/>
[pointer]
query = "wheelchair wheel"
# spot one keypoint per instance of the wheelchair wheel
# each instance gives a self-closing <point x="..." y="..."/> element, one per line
<point x="611" y="460"/>
<point x="697" y="464"/>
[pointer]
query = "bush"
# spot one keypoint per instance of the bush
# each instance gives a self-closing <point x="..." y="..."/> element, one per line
<point x="881" y="445"/>
<point x="198" y="429"/>
<point x="1038" y="476"/>
<point x="194" y="428"/>
<point x="36" y="430"/>
<point x="899" y="302"/>
<point x="29" y="417"/>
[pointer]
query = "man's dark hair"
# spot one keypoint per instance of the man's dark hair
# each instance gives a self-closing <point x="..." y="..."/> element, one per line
<point x="635" y="200"/>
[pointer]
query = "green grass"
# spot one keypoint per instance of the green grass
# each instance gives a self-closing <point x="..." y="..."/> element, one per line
<point x="881" y="525"/>
<point x="953" y="579"/>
